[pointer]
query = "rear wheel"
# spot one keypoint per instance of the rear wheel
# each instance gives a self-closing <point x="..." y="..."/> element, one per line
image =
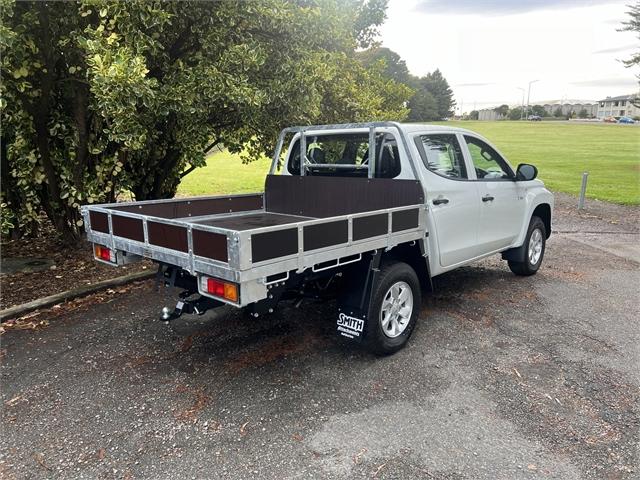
<point x="393" y="311"/>
<point x="534" y="244"/>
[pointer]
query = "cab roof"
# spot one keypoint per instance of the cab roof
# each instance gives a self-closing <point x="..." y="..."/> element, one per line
<point x="427" y="127"/>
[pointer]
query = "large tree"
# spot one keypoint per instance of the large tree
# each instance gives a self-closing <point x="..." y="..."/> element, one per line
<point x="502" y="110"/>
<point x="423" y="107"/>
<point x="538" y="110"/>
<point x="437" y="85"/>
<point x="392" y="64"/>
<point x="433" y="98"/>
<point x="514" y="113"/>
<point x="104" y="96"/>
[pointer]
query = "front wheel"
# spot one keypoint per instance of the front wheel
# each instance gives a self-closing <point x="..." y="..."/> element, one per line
<point x="394" y="307"/>
<point x="534" y="244"/>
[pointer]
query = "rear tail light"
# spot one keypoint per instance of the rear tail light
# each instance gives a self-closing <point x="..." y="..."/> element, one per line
<point x="220" y="288"/>
<point x="104" y="253"/>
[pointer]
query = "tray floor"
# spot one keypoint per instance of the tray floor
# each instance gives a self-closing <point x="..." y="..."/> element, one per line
<point x="254" y="220"/>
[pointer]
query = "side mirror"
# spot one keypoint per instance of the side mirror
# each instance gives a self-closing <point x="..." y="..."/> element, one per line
<point x="526" y="172"/>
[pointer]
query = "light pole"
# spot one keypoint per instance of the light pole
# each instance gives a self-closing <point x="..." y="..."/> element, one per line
<point x="522" y="107"/>
<point x="529" y="95"/>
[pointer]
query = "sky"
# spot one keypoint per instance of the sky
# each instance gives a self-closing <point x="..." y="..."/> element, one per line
<point x="488" y="48"/>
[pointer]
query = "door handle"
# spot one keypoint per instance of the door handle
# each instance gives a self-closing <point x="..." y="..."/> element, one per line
<point x="487" y="198"/>
<point x="440" y="200"/>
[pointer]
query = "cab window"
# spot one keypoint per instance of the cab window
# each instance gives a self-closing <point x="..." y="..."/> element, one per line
<point x="486" y="161"/>
<point x="346" y="155"/>
<point x="441" y="153"/>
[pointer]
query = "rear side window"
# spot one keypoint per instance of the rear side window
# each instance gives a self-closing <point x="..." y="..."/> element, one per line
<point x="441" y="153"/>
<point x="346" y="155"/>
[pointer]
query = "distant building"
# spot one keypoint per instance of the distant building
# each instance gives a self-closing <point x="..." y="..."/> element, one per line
<point x="570" y="107"/>
<point x="489" y="114"/>
<point x="621" y="106"/>
<point x="610" y="106"/>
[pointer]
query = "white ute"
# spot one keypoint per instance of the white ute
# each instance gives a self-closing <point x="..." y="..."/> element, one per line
<point x="366" y="213"/>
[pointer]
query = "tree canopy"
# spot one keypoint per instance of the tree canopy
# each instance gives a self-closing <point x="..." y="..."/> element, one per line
<point x="515" y="113"/>
<point x="502" y="110"/>
<point x="435" y="84"/>
<point x="392" y="65"/>
<point x="538" y="110"/>
<point x="432" y="98"/>
<point x="100" y="97"/>
<point x="633" y="25"/>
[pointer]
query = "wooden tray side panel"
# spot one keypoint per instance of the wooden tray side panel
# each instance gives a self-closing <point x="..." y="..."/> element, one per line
<point x="168" y="236"/>
<point x="195" y="207"/>
<point x="322" y="197"/>
<point x="210" y="245"/>
<point x="99" y="221"/>
<point x="127" y="227"/>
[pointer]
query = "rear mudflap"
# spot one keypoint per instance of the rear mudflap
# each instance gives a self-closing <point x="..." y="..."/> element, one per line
<point x="354" y="301"/>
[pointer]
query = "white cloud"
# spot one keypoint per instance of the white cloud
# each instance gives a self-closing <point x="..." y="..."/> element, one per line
<point x="623" y="48"/>
<point x="500" y="7"/>
<point x="619" y="83"/>
<point x="489" y="48"/>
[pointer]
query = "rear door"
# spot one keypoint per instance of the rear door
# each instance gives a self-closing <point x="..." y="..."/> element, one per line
<point x="451" y="197"/>
<point x="501" y="199"/>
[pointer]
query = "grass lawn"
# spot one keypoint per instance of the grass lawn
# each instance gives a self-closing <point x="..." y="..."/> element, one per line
<point x="561" y="151"/>
<point x="225" y="173"/>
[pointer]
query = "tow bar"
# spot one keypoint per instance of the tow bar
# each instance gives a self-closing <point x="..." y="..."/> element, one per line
<point x="196" y="306"/>
<point x="175" y="277"/>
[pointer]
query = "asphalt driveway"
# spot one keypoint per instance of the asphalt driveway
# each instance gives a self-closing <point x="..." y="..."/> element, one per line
<point x="504" y="378"/>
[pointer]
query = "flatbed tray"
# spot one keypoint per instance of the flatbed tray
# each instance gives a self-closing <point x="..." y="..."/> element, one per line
<point x="242" y="245"/>
<point x="237" y="238"/>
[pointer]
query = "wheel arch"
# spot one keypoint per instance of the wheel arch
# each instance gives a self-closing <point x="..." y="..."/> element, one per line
<point x="543" y="211"/>
<point x="413" y="254"/>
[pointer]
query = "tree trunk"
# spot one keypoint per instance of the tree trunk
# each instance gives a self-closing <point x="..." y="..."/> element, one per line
<point x="60" y="215"/>
<point x="80" y="105"/>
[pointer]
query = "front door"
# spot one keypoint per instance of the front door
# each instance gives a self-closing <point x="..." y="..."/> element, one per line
<point x="501" y="199"/>
<point x="452" y="198"/>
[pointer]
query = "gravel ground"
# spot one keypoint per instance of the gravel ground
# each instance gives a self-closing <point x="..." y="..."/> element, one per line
<point x="505" y="377"/>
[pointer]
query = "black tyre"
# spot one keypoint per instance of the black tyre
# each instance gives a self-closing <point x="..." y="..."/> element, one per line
<point x="395" y="302"/>
<point x="534" y="244"/>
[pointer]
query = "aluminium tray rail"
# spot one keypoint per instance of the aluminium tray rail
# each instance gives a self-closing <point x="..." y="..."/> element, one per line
<point x="257" y="240"/>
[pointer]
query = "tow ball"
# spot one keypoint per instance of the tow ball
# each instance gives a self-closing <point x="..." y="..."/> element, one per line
<point x="196" y="306"/>
<point x="189" y="300"/>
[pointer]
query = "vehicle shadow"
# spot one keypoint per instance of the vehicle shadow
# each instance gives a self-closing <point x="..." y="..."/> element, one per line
<point x="240" y="340"/>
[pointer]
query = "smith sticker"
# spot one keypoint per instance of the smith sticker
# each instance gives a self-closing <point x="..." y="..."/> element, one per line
<point x="350" y="327"/>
